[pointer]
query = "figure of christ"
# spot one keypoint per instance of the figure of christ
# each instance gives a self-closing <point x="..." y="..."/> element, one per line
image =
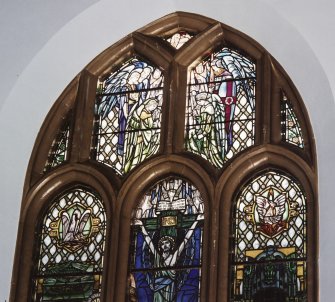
<point x="166" y="257"/>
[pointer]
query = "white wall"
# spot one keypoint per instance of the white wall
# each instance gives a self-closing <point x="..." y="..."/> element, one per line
<point x="45" y="43"/>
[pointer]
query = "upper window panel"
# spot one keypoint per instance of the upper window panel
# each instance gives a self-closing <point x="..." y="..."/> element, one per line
<point x="59" y="149"/>
<point x="128" y="114"/>
<point x="71" y="249"/>
<point x="270" y="240"/>
<point x="220" y="112"/>
<point x="166" y="244"/>
<point x="291" y="130"/>
<point x="179" y="39"/>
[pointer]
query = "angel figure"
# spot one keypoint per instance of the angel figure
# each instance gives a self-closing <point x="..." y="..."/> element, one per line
<point x="146" y="207"/>
<point x="204" y="139"/>
<point x="194" y="205"/>
<point x="142" y="139"/>
<point x="216" y="85"/>
<point x="124" y="89"/>
<point x="230" y="75"/>
<point x="73" y="227"/>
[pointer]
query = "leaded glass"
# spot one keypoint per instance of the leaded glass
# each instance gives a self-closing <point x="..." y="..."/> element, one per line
<point x="179" y="39"/>
<point x="59" y="149"/>
<point x="270" y="240"/>
<point x="220" y="112"/>
<point x="71" y="249"/>
<point x="291" y="130"/>
<point x="166" y="244"/>
<point x="128" y="110"/>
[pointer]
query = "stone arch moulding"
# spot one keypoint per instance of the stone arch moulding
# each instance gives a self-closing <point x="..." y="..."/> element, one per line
<point x="217" y="185"/>
<point x="265" y="159"/>
<point x="179" y="168"/>
<point x="39" y="199"/>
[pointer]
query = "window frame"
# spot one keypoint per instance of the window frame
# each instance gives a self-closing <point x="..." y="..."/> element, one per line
<point x="218" y="187"/>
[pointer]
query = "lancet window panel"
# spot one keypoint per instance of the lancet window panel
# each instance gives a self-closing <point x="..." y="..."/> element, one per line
<point x="59" y="150"/>
<point x="291" y="129"/>
<point x="71" y="249"/>
<point x="220" y="111"/>
<point x="128" y="115"/>
<point x="166" y="243"/>
<point x="270" y="240"/>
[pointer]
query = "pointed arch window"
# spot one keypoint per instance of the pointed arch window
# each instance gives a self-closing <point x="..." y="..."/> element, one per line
<point x="71" y="242"/>
<point x="291" y="129"/>
<point x="270" y="239"/>
<point x="166" y="243"/>
<point x="192" y="159"/>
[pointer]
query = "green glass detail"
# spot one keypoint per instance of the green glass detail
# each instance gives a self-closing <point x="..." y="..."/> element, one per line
<point x="220" y="110"/>
<point x="71" y="249"/>
<point x="166" y="244"/>
<point x="269" y="249"/>
<point x="69" y="281"/>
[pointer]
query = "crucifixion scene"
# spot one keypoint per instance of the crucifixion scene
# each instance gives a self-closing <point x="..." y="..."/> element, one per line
<point x="166" y="244"/>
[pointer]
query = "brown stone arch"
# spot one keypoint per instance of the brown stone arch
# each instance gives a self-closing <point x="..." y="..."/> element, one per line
<point x="38" y="200"/>
<point x="174" y="166"/>
<point x="173" y="22"/>
<point x="264" y="159"/>
<point x="64" y="104"/>
<point x="217" y="185"/>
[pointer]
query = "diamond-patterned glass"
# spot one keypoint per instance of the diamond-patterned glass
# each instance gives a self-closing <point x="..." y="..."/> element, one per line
<point x="128" y="115"/>
<point x="71" y="249"/>
<point x="59" y="149"/>
<point x="220" y="111"/>
<point x="269" y="240"/>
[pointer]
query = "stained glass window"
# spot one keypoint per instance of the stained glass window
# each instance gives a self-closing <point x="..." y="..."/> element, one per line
<point x="166" y="243"/>
<point x="59" y="149"/>
<point x="71" y="249"/>
<point x="179" y="39"/>
<point x="255" y="252"/>
<point x="270" y="240"/>
<point x="128" y="109"/>
<point x="220" y="114"/>
<point x="291" y="130"/>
